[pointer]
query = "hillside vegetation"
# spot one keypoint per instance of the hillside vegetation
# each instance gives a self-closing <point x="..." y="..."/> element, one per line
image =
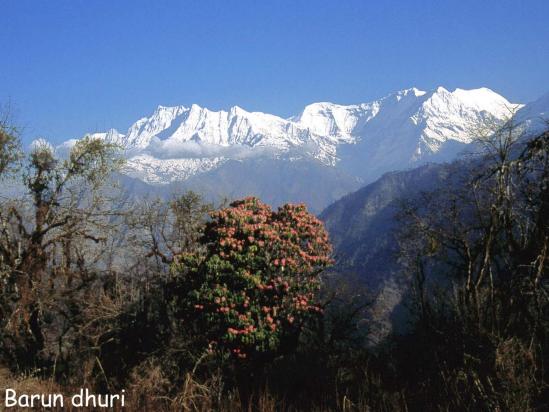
<point x="187" y="305"/>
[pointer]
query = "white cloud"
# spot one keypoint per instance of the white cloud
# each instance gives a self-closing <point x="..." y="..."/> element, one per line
<point x="170" y="149"/>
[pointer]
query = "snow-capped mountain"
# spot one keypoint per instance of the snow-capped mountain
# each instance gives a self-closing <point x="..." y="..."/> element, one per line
<point x="403" y="129"/>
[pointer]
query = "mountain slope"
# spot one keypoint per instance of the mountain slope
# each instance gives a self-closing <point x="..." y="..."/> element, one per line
<point x="535" y="115"/>
<point x="363" y="230"/>
<point x="362" y="224"/>
<point x="275" y="182"/>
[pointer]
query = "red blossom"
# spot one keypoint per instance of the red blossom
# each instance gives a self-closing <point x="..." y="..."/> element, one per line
<point x="269" y="268"/>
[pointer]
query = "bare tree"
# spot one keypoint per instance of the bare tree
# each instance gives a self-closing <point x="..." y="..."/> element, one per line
<point x="47" y="239"/>
<point x="484" y="238"/>
<point x="159" y="231"/>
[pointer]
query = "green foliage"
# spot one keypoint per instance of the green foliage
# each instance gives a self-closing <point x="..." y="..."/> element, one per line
<point x="93" y="160"/>
<point x="89" y="162"/>
<point x="256" y="286"/>
<point x="10" y="148"/>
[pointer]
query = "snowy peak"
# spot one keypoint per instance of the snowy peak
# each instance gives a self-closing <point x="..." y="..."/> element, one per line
<point x="345" y="122"/>
<point x="201" y="125"/>
<point x="476" y="100"/>
<point x="332" y="120"/>
<point x="141" y="132"/>
<point x="415" y="91"/>
<point x="452" y="115"/>
<point x="427" y="112"/>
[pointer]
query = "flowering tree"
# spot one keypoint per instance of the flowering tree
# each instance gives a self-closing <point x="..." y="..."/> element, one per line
<point x="256" y="285"/>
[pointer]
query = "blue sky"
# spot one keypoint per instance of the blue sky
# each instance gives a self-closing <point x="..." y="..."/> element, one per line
<point x="71" y="67"/>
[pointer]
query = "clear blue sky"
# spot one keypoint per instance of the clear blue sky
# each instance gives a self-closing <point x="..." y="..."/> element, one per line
<point x="75" y="66"/>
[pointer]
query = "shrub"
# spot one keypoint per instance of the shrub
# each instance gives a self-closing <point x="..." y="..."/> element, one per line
<point x="256" y="285"/>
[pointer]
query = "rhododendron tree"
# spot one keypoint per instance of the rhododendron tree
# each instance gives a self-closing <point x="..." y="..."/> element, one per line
<point x="256" y="285"/>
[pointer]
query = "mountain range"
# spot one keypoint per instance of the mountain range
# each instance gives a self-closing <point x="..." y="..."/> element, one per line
<point x="316" y="156"/>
